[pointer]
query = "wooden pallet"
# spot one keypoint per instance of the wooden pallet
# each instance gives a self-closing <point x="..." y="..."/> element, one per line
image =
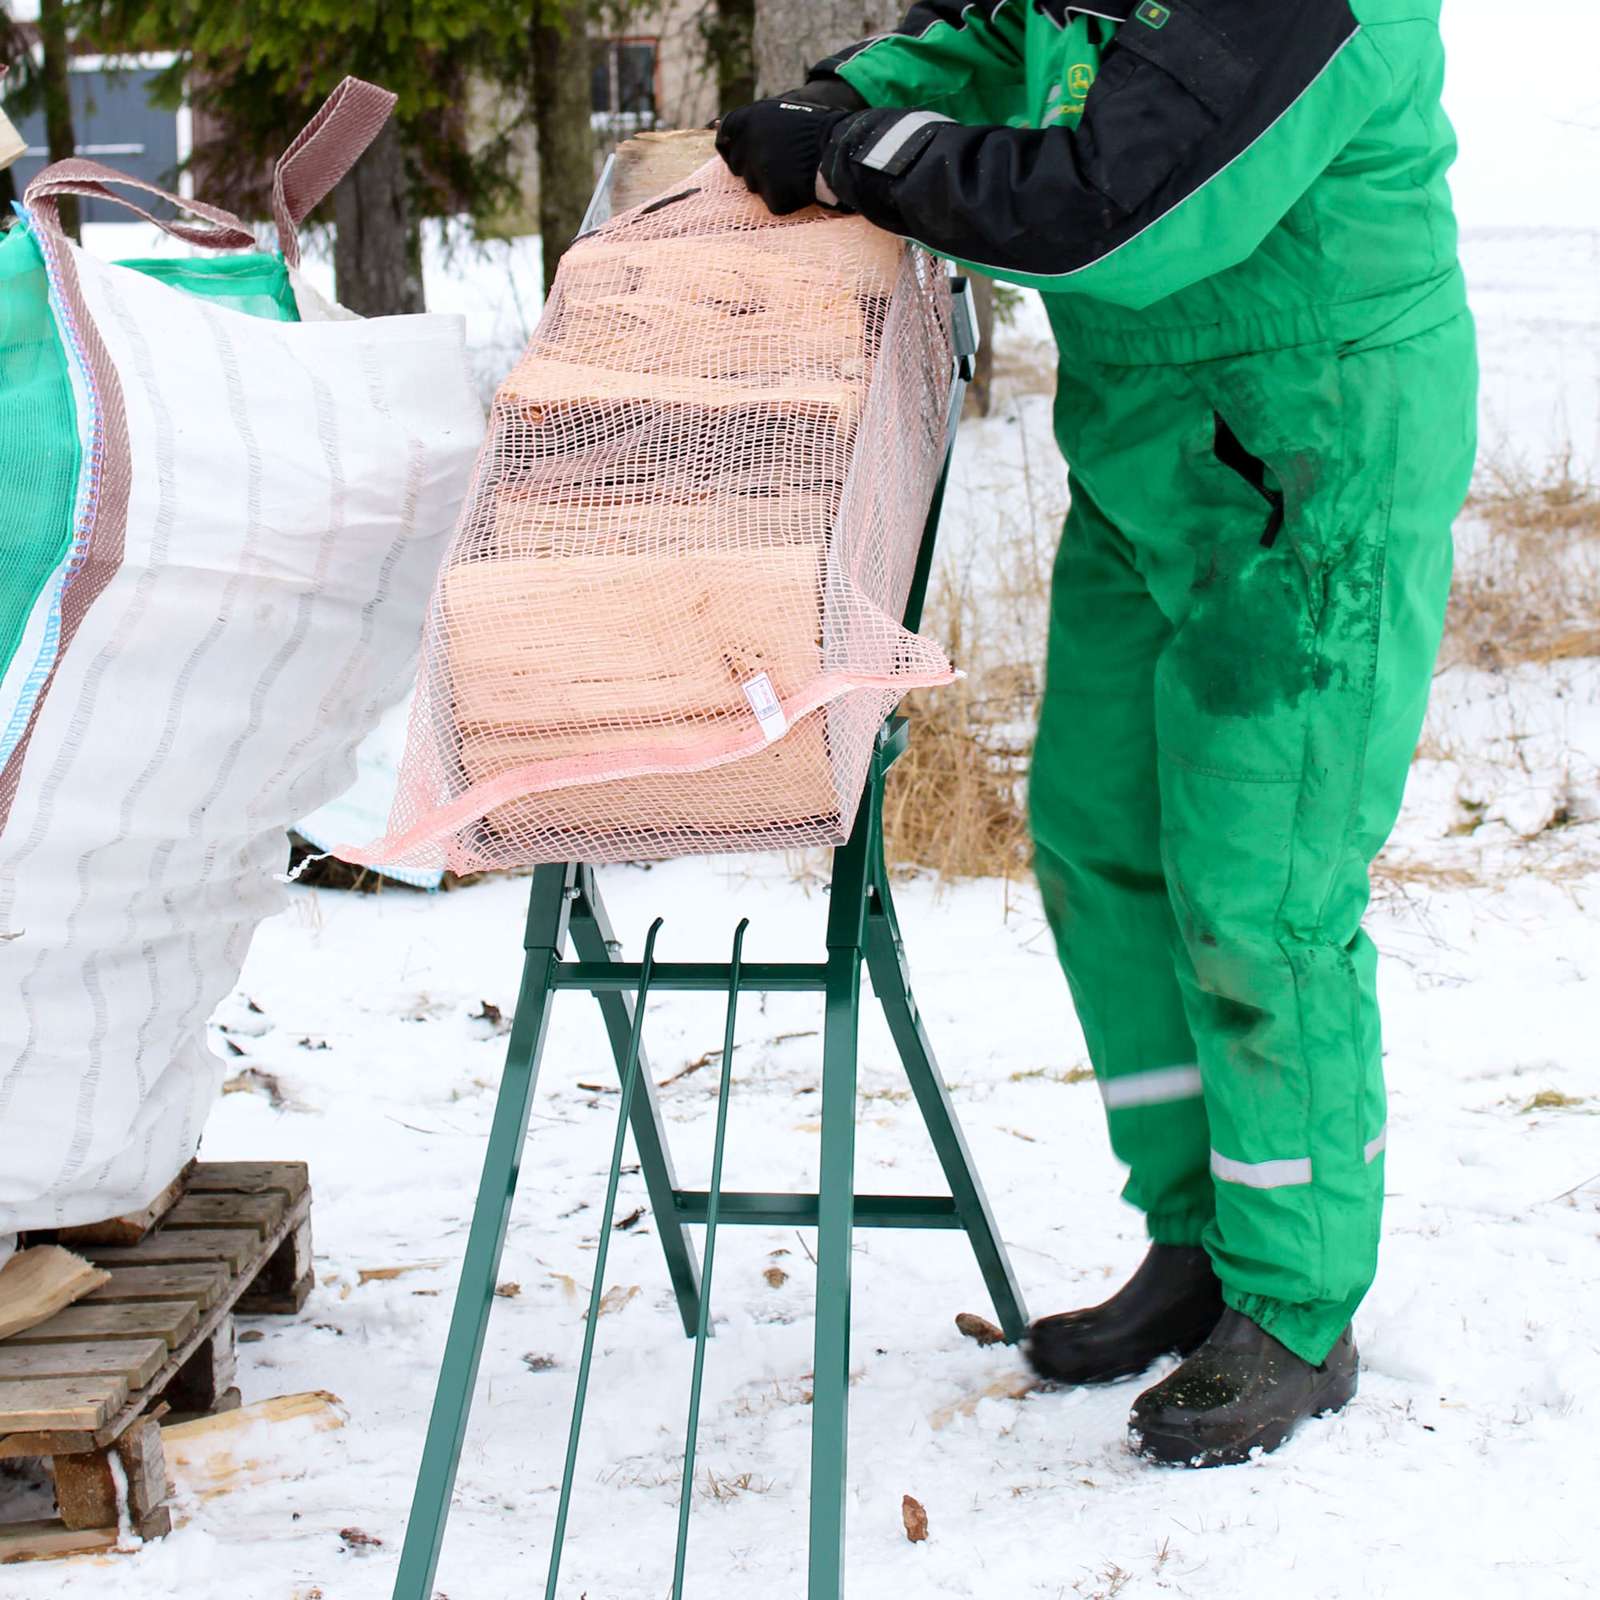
<point x="85" y="1388"/>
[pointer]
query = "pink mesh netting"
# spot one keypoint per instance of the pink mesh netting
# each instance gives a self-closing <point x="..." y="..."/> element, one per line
<point x="668" y="622"/>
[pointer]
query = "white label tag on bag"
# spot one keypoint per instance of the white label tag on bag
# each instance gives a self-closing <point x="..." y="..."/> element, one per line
<point x="764" y="702"/>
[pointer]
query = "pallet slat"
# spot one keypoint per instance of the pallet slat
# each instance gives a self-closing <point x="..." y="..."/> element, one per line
<point x="170" y="1321"/>
<point x="42" y="1541"/>
<point x="288" y="1178"/>
<point x="39" y="1405"/>
<point x="202" y="1284"/>
<point x="170" y="1247"/>
<point x="136" y="1360"/>
<point x="262" y="1212"/>
<point x="282" y="1285"/>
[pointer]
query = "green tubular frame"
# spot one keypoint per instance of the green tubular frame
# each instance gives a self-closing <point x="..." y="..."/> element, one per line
<point x="862" y="931"/>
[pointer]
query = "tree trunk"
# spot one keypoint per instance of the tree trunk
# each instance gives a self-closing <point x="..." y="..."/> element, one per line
<point x="730" y="45"/>
<point x="980" y="394"/>
<point x="791" y="36"/>
<point x="58" y="131"/>
<point x="377" y="248"/>
<point x="561" y="119"/>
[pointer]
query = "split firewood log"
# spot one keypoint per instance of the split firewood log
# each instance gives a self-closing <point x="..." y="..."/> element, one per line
<point x="653" y="164"/>
<point x="788" y="783"/>
<point x="653" y="637"/>
<point x="37" y="1283"/>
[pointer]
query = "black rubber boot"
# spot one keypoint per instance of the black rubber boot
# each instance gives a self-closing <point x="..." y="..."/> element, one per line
<point x="1170" y="1304"/>
<point x="1240" y="1391"/>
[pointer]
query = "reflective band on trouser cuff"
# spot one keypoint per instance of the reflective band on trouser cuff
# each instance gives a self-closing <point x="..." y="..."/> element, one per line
<point x="1155" y="1088"/>
<point x="893" y="141"/>
<point x="1377" y="1146"/>
<point x="1262" y="1174"/>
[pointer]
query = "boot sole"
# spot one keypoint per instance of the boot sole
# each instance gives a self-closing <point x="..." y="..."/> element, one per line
<point x="1184" y="1450"/>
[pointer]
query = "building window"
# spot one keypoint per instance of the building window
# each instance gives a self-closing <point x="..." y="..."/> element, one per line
<point x="623" y="83"/>
<point x="115" y="123"/>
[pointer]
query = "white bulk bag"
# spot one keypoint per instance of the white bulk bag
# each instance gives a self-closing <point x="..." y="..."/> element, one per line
<point x="262" y="510"/>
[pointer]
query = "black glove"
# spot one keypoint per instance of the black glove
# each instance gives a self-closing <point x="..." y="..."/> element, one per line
<point x="833" y="92"/>
<point x="776" y="147"/>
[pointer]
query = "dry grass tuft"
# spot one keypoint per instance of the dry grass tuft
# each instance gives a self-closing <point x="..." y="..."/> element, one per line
<point x="1553" y="1100"/>
<point x="956" y="802"/>
<point x="1528" y="588"/>
<point x="1392" y="873"/>
<point x="1082" y="1073"/>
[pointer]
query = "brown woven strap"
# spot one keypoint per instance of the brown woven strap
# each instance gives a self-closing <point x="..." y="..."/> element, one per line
<point x="90" y="181"/>
<point x="325" y="149"/>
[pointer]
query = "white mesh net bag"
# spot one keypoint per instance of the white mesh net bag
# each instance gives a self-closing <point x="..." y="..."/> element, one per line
<point x="668" y="623"/>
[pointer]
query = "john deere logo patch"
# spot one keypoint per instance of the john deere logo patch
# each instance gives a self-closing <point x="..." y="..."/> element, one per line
<point x="1153" y="15"/>
<point x="1080" y="80"/>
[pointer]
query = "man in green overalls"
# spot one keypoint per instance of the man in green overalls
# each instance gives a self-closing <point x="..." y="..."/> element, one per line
<point x="1237" y="213"/>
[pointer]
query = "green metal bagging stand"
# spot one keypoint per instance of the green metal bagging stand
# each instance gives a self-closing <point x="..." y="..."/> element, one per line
<point x="566" y="911"/>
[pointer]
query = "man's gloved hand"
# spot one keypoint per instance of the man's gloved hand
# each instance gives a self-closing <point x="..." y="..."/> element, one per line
<point x="776" y="145"/>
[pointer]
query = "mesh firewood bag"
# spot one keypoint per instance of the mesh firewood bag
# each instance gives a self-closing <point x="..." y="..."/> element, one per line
<point x="669" y="620"/>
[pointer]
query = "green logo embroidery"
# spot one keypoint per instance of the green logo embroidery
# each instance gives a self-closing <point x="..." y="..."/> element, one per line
<point x="1153" y="15"/>
<point x="1080" y="80"/>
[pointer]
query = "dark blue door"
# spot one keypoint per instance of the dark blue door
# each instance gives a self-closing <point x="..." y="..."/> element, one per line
<point x="116" y="124"/>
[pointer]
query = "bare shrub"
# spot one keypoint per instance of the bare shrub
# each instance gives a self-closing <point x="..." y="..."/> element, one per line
<point x="956" y="802"/>
<point x="1527" y="585"/>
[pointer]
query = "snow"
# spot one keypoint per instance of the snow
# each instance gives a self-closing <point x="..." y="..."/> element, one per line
<point x="1527" y="109"/>
<point x="1466" y="1465"/>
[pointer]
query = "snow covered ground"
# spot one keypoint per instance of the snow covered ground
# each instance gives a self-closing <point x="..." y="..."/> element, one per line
<point x="1467" y="1465"/>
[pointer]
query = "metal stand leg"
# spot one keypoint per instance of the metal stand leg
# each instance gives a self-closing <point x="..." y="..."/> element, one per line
<point x="891" y="983"/>
<point x="836" y="1194"/>
<point x="830" y="1399"/>
<point x="544" y="939"/>
<point x="594" y="940"/>
<point x="862" y="927"/>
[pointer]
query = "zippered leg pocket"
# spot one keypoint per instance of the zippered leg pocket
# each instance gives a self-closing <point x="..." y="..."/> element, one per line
<point x="1230" y="451"/>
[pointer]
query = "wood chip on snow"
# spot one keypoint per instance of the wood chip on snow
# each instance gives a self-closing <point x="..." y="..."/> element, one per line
<point x="979" y="1329"/>
<point x="915" y="1517"/>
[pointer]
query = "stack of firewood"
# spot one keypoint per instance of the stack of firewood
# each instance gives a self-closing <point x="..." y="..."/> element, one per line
<point x="667" y="468"/>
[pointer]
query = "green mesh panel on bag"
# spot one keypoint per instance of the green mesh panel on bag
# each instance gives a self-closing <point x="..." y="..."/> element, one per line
<point x="257" y="285"/>
<point x="39" y="454"/>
